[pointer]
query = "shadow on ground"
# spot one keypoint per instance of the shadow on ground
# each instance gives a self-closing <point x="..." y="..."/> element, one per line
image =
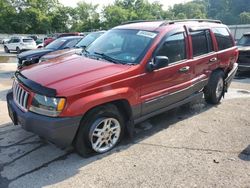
<point x="241" y="76"/>
<point x="245" y="154"/>
<point x="69" y="159"/>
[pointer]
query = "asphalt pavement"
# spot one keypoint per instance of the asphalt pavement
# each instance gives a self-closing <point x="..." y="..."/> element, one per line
<point x="196" y="145"/>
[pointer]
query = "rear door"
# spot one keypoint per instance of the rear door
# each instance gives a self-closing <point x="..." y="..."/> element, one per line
<point x="204" y="58"/>
<point x="169" y="84"/>
<point x="227" y="51"/>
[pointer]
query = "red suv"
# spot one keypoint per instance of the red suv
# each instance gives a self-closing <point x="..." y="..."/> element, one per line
<point x="129" y="74"/>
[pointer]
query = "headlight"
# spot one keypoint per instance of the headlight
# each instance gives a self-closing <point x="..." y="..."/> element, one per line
<point x="29" y="59"/>
<point x="49" y="106"/>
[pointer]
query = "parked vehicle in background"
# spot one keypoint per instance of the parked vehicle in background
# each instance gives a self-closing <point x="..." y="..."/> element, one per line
<point x="85" y="42"/>
<point x="33" y="56"/>
<point x="129" y="74"/>
<point x="4" y="41"/>
<point x="34" y="37"/>
<point x="244" y="53"/>
<point x="19" y="44"/>
<point x="39" y="43"/>
<point x="48" y="40"/>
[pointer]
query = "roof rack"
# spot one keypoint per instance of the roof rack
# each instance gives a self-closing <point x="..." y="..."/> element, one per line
<point x="139" y="21"/>
<point x="193" y="20"/>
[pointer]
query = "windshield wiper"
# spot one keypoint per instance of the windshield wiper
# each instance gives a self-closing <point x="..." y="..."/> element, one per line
<point x="108" y="58"/>
<point x="85" y="52"/>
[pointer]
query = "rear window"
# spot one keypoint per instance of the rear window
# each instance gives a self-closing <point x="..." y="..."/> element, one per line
<point x="202" y="42"/>
<point x="28" y="40"/>
<point x="72" y="43"/>
<point x="244" y="41"/>
<point x="56" y="44"/>
<point x="223" y="38"/>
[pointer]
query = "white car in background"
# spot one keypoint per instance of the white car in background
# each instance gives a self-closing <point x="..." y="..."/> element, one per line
<point x="19" y="44"/>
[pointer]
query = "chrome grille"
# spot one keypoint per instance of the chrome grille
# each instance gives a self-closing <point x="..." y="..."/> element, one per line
<point x="20" y="96"/>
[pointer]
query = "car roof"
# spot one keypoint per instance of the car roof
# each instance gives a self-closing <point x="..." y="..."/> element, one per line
<point x="20" y="37"/>
<point x="156" y="25"/>
<point x="71" y="37"/>
<point x="146" y="25"/>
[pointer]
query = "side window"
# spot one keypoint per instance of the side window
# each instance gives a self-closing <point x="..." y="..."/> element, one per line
<point x="201" y="42"/>
<point x="223" y="38"/>
<point x="174" y="48"/>
<point x="16" y="40"/>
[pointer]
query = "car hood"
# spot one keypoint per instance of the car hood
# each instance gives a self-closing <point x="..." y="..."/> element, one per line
<point x="71" y="71"/>
<point x="59" y="53"/>
<point x="34" y="53"/>
<point x="244" y="48"/>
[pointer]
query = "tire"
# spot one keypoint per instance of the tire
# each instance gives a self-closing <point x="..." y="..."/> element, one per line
<point x="214" y="90"/>
<point x="6" y="50"/>
<point x="93" y="136"/>
<point x="18" y="50"/>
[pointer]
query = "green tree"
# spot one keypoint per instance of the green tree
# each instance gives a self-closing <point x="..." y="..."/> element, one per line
<point x="85" y="17"/>
<point x="190" y="10"/>
<point x="245" y="18"/>
<point x="7" y="15"/>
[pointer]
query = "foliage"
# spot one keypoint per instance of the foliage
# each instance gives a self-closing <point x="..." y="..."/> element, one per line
<point x="49" y="16"/>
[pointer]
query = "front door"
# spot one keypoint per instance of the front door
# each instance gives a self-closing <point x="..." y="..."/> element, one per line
<point x="169" y="84"/>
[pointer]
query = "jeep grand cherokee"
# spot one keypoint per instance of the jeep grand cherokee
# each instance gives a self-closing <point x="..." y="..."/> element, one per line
<point x="131" y="73"/>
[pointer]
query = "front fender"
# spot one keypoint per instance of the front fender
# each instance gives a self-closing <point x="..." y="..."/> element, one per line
<point x="83" y="104"/>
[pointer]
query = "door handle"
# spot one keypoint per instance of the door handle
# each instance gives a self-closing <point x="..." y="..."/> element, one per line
<point x="214" y="59"/>
<point x="184" y="69"/>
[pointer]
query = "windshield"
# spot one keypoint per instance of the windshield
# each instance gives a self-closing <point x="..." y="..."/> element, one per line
<point x="56" y="44"/>
<point x="122" y="46"/>
<point x="86" y="41"/>
<point x="244" y="41"/>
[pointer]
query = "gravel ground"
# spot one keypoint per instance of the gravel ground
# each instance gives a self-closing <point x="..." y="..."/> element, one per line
<point x="195" y="145"/>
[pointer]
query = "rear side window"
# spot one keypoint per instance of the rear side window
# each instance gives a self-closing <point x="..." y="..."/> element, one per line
<point x="174" y="48"/>
<point x="28" y="40"/>
<point x="202" y="42"/>
<point x="223" y="38"/>
<point x="16" y="40"/>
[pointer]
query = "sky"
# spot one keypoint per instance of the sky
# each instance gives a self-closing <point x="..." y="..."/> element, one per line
<point x="165" y="3"/>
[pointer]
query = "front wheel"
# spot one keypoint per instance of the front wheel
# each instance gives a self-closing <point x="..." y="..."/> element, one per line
<point x="214" y="90"/>
<point x="18" y="50"/>
<point x="100" y="131"/>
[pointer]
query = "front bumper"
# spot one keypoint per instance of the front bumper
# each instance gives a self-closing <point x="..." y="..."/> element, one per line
<point x="60" y="130"/>
<point x="230" y="76"/>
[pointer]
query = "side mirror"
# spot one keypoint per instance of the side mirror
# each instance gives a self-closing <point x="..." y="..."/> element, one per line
<point x="157" y="63"/>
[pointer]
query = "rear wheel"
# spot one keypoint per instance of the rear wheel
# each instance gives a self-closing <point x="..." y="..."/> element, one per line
<point x="6" y="50"/>
<point x="214" y="90"/>
<point x="100" y="131"/>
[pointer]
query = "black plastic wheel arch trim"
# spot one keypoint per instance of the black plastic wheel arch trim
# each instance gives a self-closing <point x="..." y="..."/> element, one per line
<point x="34" y="86"/>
